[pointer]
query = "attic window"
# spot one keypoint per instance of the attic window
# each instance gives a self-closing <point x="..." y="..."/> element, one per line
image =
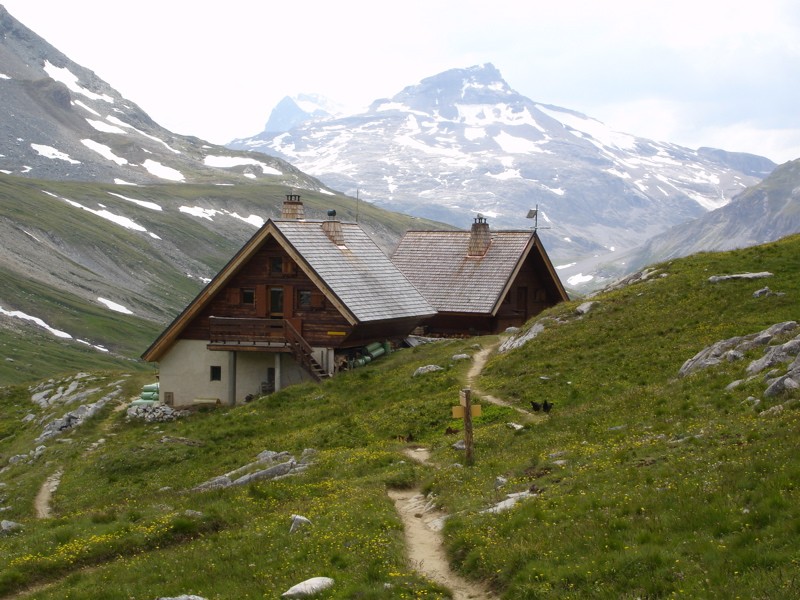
<point x="248" y="296"/>
<point x="282" y="265"/>
<point x="304" y="299"/>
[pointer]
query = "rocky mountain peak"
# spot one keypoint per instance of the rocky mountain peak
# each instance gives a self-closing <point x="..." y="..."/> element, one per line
<point x="463" y="142"/>
<point x="443" y="93"/>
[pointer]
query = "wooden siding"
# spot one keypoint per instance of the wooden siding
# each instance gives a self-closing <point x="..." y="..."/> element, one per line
<point x="320" y="323"/>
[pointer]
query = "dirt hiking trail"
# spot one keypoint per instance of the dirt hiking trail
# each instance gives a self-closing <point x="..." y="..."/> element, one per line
<point x="478" y="363"/>
<point x="422" y="522"/>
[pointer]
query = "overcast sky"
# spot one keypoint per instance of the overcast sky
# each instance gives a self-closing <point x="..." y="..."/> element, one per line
<point x="722" y="73"/>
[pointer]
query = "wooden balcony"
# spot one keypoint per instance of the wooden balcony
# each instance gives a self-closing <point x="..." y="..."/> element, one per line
<point x="227" y="332"/>
<point x="263" y="335"/>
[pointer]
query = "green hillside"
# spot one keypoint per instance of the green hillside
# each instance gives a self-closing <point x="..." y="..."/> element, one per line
<point x="645" y="484"/>
<point x="63" y="250"/>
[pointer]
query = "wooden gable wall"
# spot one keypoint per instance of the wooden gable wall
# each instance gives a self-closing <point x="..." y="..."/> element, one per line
<point x="532" y="290"/>
<point x="253" y="293"/>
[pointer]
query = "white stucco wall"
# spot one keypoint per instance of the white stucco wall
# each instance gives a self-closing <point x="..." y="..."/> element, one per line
<point x="185" y="370"/>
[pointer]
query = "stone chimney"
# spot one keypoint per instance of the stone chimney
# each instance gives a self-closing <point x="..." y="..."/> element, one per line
<point x="333" y="229"/>
<point x="293" y="208"/>
<point x="479" y="237"/>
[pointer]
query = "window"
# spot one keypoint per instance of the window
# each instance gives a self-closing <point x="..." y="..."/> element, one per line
<point x="282" y="266"/>
<point x="216" y="373"/>
<point x="248" y="296"/>
<point x="304" y="300"/>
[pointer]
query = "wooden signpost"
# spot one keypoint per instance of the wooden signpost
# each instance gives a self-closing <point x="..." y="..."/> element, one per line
<point x="467" y="410"/>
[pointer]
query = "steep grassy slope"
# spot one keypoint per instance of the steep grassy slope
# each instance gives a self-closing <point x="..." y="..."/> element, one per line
<point x="647" y="484"/>
<point x="67" y="245"/>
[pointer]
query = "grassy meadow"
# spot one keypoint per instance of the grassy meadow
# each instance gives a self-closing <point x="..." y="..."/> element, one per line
<point x="649" y="485"/>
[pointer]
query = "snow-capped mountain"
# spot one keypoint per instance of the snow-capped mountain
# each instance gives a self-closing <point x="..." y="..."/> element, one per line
<point x="92" y="269"/>
<point x="61" y="121"/>
<point x="763" y="213"/>
<point x="464" y="142"/>
<point x="302" y="108"/>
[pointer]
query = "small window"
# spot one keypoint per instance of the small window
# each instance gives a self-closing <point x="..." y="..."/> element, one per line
<point x="248" y="296"/>
<point x="216" y="373"/>
<point x="304" y="300"/>
<point x="276" y="265"/>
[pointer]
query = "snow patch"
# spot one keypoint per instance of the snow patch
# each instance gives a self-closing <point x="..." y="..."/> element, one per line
<point x="597" y="130"/>
<point x="566" y="266"/>
<point x="87" y="108"/>
<point x="114" y="306"/>
<point x="197" y="211"/>
<point x="68" y="78"/>
<point x="579" y="278"/>
<point x="156" y="168"/>
<point x="50" y="152"/>
<point x="4" y="76"/>
<point x="226" y="162"/>
<point x="105" y="127"/>
<point x="104" y="151"/>
<point x="142" y="203"/>
<point x="104" y="214"/>
<point x="516" y="145"/>
<point x="17" y="314"/>
<point x="253" y="220"/>
<point x="121" y="123"/>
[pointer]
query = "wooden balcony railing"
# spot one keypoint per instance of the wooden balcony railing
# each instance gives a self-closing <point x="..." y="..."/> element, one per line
<point x="246" y="331"/>
<point x="228" y="331"/>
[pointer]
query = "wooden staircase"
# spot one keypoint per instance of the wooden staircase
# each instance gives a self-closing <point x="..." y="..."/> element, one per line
<point x="303" y="352"/>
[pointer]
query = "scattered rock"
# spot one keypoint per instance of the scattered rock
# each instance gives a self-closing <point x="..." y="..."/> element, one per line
<point x="514" y="426"/>
<point x="254" y="471"/>
<point x="772" y="411"/>
<point x="765" y="291"/>
<point x="7" y="527"/>
<point x="155" y="413"/>
<point x="183" y="597"/>
<point x="718" y="278"/>
<point x="734" y="347"/>
<point x="774" y="355"/>
<point x="298" y="521"/>
<point x="519" y="341"/>
<point x="459" y="445"/>
<point x="427" y="369"/>
<point x="510" y="501"/>
<point x="461" y="357"/>
<point x="585" y="307"/>
<point x="308" y="587"/>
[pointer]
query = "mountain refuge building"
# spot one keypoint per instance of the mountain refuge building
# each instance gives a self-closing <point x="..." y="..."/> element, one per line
<point x="303" y="299"/>
<point x="479" y="281"/>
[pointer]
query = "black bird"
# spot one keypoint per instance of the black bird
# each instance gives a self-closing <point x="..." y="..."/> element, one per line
<point x="536" y="406"/>
<point x="547" y="406"/>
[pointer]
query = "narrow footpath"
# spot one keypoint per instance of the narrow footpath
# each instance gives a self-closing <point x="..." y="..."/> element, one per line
<point x="478" y="363"/>
<point x="422" y="522"/>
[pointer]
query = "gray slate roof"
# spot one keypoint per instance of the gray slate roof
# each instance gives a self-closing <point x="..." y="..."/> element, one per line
<point x="437" y="264"/>
<point x="360" y="274"/>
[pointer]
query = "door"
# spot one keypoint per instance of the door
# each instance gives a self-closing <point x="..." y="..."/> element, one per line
<point x="276" y="302"/>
